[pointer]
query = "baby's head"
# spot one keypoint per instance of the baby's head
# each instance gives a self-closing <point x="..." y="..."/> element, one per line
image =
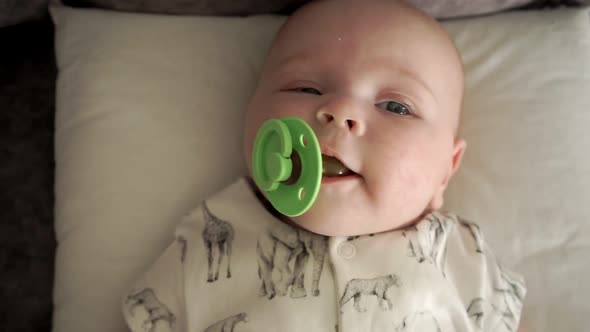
<point x="381" y="85"/>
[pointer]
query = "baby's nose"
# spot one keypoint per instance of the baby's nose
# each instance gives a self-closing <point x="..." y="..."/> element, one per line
<point x="343" y="114"/>
<point x="325" y="118"/>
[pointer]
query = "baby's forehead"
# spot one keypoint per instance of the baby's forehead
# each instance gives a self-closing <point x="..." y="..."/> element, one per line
<point x="376" y="45"/>
<point x="370" y="23"/>
<point x="353" y="13"/>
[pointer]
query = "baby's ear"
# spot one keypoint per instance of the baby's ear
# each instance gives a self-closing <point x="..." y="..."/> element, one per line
<point x="458" y="150"/>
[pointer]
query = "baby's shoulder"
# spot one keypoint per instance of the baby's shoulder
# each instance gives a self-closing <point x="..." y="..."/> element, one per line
<point x="465" y="226"/>
<point x="446" y="221"/>
<point x="450" y="218"/>
<point x="449" y="227"/>
<point x="235" y="209"/>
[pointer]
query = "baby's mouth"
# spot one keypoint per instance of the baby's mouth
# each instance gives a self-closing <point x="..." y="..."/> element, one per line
<point x="332" y="167"/>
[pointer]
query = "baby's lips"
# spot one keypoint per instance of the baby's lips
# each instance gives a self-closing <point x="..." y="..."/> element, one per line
<point x="327" y="151"/>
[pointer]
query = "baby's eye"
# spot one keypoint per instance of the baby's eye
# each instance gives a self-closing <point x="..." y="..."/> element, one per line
<point x="394" y="107"/>
<point x="308" y="90"/>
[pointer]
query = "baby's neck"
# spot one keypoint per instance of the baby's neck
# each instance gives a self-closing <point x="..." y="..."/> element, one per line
<point x="267" y="205"/>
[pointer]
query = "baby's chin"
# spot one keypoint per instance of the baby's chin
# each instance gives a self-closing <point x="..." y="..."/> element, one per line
<point x="352" y="222"/>
<point x="337" y="224"/>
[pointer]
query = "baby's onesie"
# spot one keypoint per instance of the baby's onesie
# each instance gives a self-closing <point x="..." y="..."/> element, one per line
<point x="235" y="267"/>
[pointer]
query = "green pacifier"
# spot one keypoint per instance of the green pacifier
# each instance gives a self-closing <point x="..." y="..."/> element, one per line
<point x="287" y="164"/>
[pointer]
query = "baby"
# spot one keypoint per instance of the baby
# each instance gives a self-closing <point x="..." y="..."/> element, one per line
<point x="381" y="85"/>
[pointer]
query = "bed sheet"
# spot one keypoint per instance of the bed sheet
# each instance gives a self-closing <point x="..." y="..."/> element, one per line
<point x="148" y="123"/>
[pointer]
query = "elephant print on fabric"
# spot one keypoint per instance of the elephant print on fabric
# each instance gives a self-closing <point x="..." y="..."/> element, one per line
<point x="217" y="234"/>
<point x="475" y="233"/>
<point x="509" y="295"/>
<point x="486" y="315"/>
<point x="182" y="243"/>
<point x="427" y="240"/>
<point x="228" y="324"/>
<point x="157" y="311"/>
<point x="354" y="237"/>
<point x="285" y="250"/>
<point x="502" y="311"/>
<point x="376" y="286"/>
<point x="419" y="321"/>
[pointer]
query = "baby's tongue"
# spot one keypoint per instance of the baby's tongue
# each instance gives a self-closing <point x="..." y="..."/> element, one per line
<point x="332" y="167"/>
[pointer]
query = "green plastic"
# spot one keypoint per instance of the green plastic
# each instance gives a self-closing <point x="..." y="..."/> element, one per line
<point x="273" y="164"/>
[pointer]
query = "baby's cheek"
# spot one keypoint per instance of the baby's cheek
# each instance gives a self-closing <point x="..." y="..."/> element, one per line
<point x="404" y="178"/>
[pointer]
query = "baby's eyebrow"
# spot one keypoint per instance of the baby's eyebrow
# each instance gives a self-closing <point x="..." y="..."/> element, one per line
<point x="404" y="74"/>
<point x="422" y="84"/>
<point x="294" y="62"/>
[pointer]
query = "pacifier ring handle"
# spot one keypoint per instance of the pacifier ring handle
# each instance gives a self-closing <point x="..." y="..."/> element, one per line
<point x="287" y="164"/>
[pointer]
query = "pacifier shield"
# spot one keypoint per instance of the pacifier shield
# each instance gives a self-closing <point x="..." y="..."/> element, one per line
<point x="279" y="142"/>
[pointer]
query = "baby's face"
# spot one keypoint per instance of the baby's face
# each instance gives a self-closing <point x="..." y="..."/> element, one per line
<point x="381" y="86"/>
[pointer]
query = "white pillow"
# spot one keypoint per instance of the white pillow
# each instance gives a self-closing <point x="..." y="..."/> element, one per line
<point x="149" y="122"/>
